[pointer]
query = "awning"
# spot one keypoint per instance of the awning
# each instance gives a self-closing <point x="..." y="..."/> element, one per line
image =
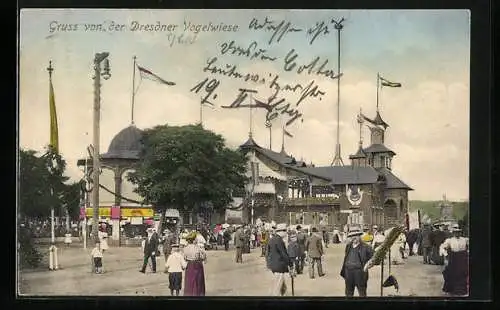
<point x="172" y="213"/>
<point x="265" y="171"/>
<point x="236" y="204"/>
<point x="264" y="188"/>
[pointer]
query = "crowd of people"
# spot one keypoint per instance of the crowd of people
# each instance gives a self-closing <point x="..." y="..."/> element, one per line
<point x="286" y="250"/>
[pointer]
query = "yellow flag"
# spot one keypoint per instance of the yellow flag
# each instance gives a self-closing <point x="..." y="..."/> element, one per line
<point x="54" y="134"/>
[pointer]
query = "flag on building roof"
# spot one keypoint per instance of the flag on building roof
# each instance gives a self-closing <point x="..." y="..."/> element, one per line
<point x="145" y="73"/>
<point x="287" y="133"/>
<point x="387" y="83"/>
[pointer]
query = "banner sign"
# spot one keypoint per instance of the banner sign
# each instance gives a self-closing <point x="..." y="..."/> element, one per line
<point x="137" y="212"/>
<point x="105" y="212"/>
<point x="123" y="212"/>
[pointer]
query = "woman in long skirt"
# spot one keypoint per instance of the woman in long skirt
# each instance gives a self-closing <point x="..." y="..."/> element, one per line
<point x="195" y="256"/>
<point x="456" y="272"/>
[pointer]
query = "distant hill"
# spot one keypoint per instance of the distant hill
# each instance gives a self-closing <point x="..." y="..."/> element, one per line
<point x="432" y="210"/>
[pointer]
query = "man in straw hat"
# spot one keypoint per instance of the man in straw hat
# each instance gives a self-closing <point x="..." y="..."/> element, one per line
<point x="278" y="261"/>
<point x="357" y="254"/>
<point x="456" y="273"/>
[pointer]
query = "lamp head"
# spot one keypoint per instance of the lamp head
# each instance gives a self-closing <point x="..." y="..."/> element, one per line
<point x="99" y="57"/>
<point x="107" y="71"/>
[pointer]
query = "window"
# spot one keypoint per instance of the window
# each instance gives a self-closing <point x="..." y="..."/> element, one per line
<point x="382" y="161"/>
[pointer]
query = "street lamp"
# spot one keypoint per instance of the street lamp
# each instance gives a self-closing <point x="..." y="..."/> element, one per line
<point x="100" y="59"/>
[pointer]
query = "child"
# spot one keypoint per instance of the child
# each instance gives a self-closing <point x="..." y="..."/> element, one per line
<point x="174" y="265"/>
<point x="97" y="258"/>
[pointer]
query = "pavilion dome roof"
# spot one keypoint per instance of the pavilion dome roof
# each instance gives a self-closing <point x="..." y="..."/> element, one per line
<point x="126" y="144"/>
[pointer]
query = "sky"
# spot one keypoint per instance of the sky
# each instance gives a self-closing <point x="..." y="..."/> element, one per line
<point x="427" y="51"/>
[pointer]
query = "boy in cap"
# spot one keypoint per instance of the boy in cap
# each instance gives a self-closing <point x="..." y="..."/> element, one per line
<point x="357" y="254"/>
<point x="174" y="266"/>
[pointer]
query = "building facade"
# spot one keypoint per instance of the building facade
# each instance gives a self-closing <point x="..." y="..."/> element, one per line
<point x="366" y="192"/>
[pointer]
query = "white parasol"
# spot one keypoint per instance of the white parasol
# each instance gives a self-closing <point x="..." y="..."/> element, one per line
<point x="225" y="225"/>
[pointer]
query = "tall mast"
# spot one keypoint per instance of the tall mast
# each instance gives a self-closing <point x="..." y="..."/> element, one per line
<point x="133" y="90"/>
<point x="337" y="160"/>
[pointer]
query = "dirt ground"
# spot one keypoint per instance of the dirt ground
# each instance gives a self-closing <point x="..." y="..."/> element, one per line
<point x="222" y="275"/>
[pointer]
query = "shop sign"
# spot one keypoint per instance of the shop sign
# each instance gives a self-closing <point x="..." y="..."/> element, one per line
<point x="137" y="212"/>
<point x="103" y="212"/>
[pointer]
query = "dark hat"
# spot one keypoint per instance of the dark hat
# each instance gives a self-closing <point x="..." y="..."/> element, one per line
<point x="391" y="281"/>
<point x="298" y="227"/>
<point x="174" y="245"/>
<point x="314" y="229"/>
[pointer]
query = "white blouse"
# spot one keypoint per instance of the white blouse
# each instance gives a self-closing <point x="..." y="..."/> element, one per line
<point x="454" y="244"/>
<point x="193" y="252"/>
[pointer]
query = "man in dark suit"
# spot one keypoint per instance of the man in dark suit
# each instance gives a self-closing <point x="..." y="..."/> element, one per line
<point x="301" y="240"/>
<point x="150" y="248"/>
<point x="226" y="236"/>
<point x="357" y="254"/>
<point x="278" y="260"/>
<point x="239" y="239"/>
<point x="314" y="249"/>
<point x="426" y="243"/>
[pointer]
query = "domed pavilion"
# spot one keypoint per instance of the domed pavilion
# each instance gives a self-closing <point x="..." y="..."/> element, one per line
<point x="118" y="204"/>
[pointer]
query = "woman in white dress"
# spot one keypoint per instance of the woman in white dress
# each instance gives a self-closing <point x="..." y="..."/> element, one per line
<point x="103" y="238"/>
<point x="456" y="272"/>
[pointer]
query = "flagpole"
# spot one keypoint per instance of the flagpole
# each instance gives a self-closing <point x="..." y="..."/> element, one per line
<point x="378" y="86"/>
<point x="270" y="137"/>
<point x="53" y="264"/>
<point x="133" y="90"/>
<point x="282" y="137"/>
<point x="201" y="113"/>
<point x="250" y="118"/>
<point x="360" y="128"/>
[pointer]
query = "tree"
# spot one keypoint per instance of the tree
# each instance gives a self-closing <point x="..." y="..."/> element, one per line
<point x="42" y="184"/>
<point x="185" y="167"/>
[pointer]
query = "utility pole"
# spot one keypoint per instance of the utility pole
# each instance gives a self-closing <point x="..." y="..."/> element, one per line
<point x="96" y="165"/>
<point x="337" y="160"/>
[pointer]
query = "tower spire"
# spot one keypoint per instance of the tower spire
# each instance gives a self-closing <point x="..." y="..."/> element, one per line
<point x="337" y="160"/>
